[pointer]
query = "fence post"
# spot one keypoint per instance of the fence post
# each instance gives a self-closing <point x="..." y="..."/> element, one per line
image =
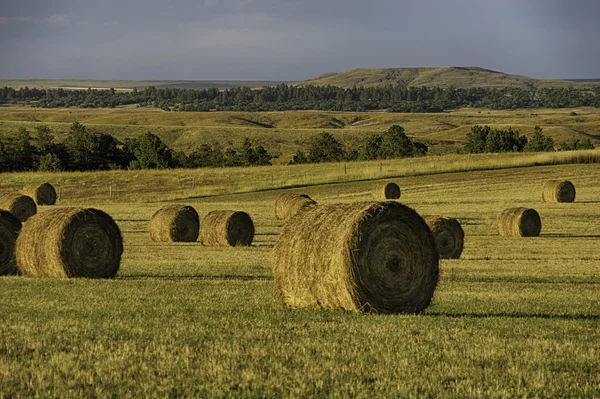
<point x="110" y="190"/>
<point x="193" y="182"/>
<point x="345" y="170"/>
<point x="380" y="167"/>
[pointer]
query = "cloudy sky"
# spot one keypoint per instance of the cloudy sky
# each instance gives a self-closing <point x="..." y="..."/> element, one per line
<point x="293" y="39"/>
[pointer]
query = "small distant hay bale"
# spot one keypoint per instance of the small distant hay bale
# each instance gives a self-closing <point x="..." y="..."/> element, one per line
<point x="362" y="257"/>
<point x="175" y="223"/>
<point x="387" y="191"/>
<point x="22" y="206"/>
<point x="226" y="228"/>
<point x="287" y="205"/>
<point x="519" y="222"/>
<point x="10" y="227"/>
<point x="70" y="242"/>
<point x="558" y="191"/>
<point x="448" y="234"/>
<point x="43" y="194"/>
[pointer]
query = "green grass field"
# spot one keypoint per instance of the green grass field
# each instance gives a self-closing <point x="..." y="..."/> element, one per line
<point x="514" y="317"/>
<point x="284" y="133"/>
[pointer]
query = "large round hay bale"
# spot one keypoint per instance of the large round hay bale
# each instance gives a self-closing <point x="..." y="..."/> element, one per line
<point x="43" y="194"/>
<point x="558" y="191"/>
<point x="386" y="191"/>
<point x="448" y="234"/>
<point x="22" y="206"/>
<point x="10" y="227"/>
<point x="175" y="223"/>
<point x="519" y="222"/>
<point x="373" y="256"/>
<point x="226" y="228"/>
<point x="70" y="242"/>
<point x="287" y="205"/>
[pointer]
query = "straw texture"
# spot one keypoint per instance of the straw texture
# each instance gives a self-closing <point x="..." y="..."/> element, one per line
<point x="70" y="242"/>
<point x="386" y="191"/>
<point x="43" y="194"/>
<point x="226" y="228"/>
<point x="558" y="191"/>
<point x="449" y="236"/>
<point x="10" y="227"/>
<point x="22" y="206"/>
<point x="519" y="222"/>
<point x="287" y="205"/>
<point x="175" y="223"/>
<point x="363" y="257"/>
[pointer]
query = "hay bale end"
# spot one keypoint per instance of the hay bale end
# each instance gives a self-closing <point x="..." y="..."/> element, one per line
<point x="287" y="205"/>
<point x="43" y="194"/>
<point x="448" y="234"/>
<point x="175" y="223"/>
<point x="519" y="222"/>
<point x="558" y="191"/>
<point x="363" y="257"/>
<point x="22" y="206"/>
<point x="226" y="228"/>
<point x="10" y="226"/>
<point x="386" y="191"/>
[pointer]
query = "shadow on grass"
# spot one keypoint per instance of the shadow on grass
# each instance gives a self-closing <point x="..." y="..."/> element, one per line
<point x="516" y="315"/>
<point x="519" y="280"/>
<point x="569" y="236"/>
<point x="204" y="277"/>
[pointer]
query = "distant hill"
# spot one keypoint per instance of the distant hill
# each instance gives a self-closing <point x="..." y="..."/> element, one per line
<point x="74" y="84"/>
<point x="457" y="77"/>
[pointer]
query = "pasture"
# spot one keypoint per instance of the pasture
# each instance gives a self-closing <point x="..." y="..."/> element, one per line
<point x="284" y="133"/>
<point x="513" y="317"/>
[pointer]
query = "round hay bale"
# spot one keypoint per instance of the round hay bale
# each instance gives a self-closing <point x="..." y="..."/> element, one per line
<point x="387" y="191"/>
<point x="519" y="222"/>
<point x="362" y="257"/>
<point x="43" y="194"/>
<point x="10" y="227"/>
<point x="287" y="205"/>
<point x="22" y="206"/>
<point x="70" y="242"/>
<point x="558" y="191"/>
<point x="448" y="234"/>
<point x="175" y="223"/>
<point x="226" y="228"/>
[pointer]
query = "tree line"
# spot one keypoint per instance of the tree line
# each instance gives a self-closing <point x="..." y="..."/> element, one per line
<point x="482" y="139"/>
<point x="83" y="149"/>
<point x="285" y="97"/>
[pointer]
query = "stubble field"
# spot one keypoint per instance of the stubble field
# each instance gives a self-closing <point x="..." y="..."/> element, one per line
<point x="512" y="317"/>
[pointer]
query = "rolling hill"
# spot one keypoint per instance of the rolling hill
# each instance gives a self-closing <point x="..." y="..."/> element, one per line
<point x="457" y="77"/>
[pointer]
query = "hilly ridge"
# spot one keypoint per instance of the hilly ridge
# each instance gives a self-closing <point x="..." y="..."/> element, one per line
<point x="444" y="77"/>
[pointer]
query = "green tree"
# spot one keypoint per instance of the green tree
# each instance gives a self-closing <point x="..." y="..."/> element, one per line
<point x="49" y="163"/>
<point x="396" y="144"/>
<point x="151" y="153"/>
<point x="370" y="147"/>
<point x="539" y="142"/>
<point x="325" y="148"/>
<point x="43" y="139"/>
<point x="82" y="146"/>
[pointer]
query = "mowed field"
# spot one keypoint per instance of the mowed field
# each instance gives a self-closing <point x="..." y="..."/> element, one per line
<point x="284" y="133"/>
<point x="514" y="317"/>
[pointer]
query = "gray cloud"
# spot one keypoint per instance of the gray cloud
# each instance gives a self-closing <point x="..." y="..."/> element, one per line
<point x="289" y="40"/>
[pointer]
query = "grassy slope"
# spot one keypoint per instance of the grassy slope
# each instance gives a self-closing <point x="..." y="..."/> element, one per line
<point x="457" y="77"/>
<point x="283" y="133"/>
<point x="512" y="317"/>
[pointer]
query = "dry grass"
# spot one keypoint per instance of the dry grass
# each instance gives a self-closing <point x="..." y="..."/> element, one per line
<point x="363" y="257"/>
<point x="70" y="242"/>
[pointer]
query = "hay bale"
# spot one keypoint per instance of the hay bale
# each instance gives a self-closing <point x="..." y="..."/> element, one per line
<point x="558" y="191"/>
<point x="287" y="205"/>
<point x="226" y="228"/>
<point x="10" y="227"/>
<point x="175" y="223"/>
<point x="371" y="256"/>
<point x="70" y="242"/>
<point x="519" y="222"/>
<point x="448" y="234"/>
<point x="387" y="191"/>
<point x="43" y="194"/>
<point x="22" y="206"/>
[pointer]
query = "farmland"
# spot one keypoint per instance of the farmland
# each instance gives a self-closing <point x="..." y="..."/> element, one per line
<point x="511" y="317"/>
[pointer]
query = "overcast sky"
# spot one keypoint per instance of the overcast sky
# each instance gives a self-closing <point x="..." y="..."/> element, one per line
<point x="293" y="39"/>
